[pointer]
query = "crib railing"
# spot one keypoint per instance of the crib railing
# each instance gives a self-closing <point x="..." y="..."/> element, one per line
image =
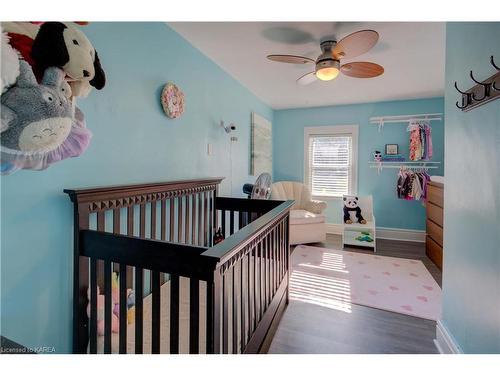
<point x="221" y="299"/>
<point x="251" y="276"/>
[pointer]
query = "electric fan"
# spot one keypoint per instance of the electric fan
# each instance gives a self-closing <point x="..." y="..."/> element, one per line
<point x="261" y="189"/>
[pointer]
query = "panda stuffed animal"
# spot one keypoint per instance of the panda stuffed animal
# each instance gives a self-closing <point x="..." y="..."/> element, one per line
<point x="351" y="204"/>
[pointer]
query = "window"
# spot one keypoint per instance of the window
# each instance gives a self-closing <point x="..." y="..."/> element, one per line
<point x="331" y="160"/>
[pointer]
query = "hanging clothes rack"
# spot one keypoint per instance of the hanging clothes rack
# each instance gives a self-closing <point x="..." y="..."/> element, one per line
<point x="382" y="120"/>
<point x="418" y="165"/>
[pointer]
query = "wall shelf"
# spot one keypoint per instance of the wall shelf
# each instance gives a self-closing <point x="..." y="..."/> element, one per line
<point x="380" y="121"/>
<point x="420" y="165"/>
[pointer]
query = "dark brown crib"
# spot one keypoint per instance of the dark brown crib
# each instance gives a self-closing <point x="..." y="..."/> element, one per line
<point x="190" y="296"/>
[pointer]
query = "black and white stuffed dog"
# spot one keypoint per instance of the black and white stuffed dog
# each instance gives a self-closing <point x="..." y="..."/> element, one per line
<point x="351" y="204"/>
<point x="66" y="47"/>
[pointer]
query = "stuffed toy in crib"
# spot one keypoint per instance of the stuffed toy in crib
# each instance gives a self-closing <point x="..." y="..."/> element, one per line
<point x="115" y="306"/>
<point x="350" y="205"/>
<point x="115" y="292"/>
<point x="115" y="323"/>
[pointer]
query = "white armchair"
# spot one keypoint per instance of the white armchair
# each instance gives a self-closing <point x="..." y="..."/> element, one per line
<point x="307" y="222"/>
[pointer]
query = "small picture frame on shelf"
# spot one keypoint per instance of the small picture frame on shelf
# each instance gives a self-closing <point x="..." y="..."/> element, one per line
<point x="391" y="149"/>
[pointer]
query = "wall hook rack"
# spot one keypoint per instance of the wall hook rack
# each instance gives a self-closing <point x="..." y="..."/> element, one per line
<point x="482" y="92"/>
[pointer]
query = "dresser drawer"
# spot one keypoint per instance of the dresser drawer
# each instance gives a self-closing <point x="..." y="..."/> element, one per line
<point x="434" y="251"/>
<point x="435" y="232"/>
<point x="435" y="195"/>
<point x="435" y="213"/>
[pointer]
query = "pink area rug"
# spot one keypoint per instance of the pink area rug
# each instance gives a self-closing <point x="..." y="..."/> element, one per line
<point x="337" y="279"/>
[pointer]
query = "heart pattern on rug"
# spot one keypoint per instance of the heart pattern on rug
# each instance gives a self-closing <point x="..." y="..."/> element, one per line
<point x="338" y="278"/>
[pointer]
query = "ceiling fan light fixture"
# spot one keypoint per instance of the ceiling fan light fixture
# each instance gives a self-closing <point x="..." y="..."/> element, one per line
<point x="327" y="74"/>
<point x="328" y="69"/>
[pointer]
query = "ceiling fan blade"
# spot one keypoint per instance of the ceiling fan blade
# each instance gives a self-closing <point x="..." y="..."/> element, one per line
<point x="362" y="69"/>
<point x="355" y="44"/>
<point x="291" y="59"/>
<point x="307" y="78"/>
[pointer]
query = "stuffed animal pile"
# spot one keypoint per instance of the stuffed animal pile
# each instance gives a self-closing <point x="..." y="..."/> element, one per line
<point x="115" y="306"/>
<point x="45" y="66"/>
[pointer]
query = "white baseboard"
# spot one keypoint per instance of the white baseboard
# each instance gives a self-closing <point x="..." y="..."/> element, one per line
<point x="401" y="234"/>
<point x="444" y="342"/>
<point x="385" y="233"/>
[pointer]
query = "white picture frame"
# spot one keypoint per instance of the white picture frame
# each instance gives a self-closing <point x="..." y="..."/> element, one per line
<point x="261" y="160"/>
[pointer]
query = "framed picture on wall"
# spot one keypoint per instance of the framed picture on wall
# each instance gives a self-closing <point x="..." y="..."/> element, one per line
<point x="261" y="144"/>
<point x="391" y="149"/>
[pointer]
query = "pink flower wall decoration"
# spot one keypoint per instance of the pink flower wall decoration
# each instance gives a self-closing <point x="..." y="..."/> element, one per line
<point x="172" y="100"/>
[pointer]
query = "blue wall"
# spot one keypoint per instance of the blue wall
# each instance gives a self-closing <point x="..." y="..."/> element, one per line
<point x="471" y="274"/>
<point x="133" y="142"/>
<point x="390" y="212"/>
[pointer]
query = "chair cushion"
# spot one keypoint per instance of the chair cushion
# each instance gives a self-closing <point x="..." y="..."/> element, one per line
<point x="305" y="217"/>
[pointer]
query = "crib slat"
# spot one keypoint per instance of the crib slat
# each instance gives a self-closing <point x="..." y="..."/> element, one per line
<point x="209" y="313"/>
<point x="283" y="269"/>
<point x="255" y="285"/>
<point x="153" y="219"/>
<point x="209" y="219"/>
<point x="215" y="218"/>
<point x="271" y="264"/>
<point x="243" y="303"/>
<point x="250" y="291"/>
<point x="240" y="220"/>
<point x="107" y="307"/>
<point x="231" y="222"/>
<point x="235" y="280"/>
<point x="142" y="222"/>
<point x="186" y="220"/>
<point x="275" y="263"/>
<point x="138" y="309"/>
<point x="130" y="220"/>
<point x="194" y="316"/>
<point x="123" y="309"/>
<point x="193" y="219"/>
<point x="225" y="311"/>
<point x="180" y="220"/>
<point x="205" y="219"/>
<point x="262" y="274"/>
<point x="268" y="270"/>
<point x="275" y="260"/>
<point x="163" y="220"/>
<point x="200" y="219"/>
<point x="100" y="265"/>
<point x="93" y="306"/>
<point x="223" y="222"/>
<point x="172" y="220"/>
<point x="280" y="257"/>
<point x="155" y="312"/>
<point x="174" y="314"/>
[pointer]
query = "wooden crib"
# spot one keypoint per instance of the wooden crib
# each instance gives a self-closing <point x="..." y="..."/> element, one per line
<point x="191" y="296"/>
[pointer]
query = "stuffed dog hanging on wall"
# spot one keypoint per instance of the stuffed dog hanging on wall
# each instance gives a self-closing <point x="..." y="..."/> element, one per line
<point x="61" y="45"/>
<point x="66" y="47"/>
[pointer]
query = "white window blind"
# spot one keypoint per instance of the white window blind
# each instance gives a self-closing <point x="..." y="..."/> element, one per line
<point x="330" y="164"/>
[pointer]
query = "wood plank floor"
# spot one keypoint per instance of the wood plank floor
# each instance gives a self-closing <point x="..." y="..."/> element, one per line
<point x="308" y="328"/>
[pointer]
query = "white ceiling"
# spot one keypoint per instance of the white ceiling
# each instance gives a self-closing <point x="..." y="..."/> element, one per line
<point x="412" y="54"/>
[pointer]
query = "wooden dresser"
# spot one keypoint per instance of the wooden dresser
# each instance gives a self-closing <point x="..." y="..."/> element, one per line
<point x="434" y="238"/>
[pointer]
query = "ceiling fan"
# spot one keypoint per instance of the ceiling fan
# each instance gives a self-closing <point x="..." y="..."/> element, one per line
<point x="328" y="64"/>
